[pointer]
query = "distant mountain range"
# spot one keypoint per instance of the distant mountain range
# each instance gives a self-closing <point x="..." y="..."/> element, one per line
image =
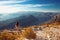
<point x="29" y="19"/>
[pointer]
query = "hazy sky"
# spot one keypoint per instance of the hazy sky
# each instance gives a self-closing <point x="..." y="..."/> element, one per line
<point x="13" y="6"/>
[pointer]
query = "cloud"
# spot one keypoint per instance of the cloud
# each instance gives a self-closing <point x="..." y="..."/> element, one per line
<point x="11" y="1"/>
<point x="6" y="9"/>
<point x="29" y="5"/>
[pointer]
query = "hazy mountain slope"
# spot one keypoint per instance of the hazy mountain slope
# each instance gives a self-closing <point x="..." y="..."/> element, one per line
<point x="54" y="21"/>
<point x="55" y="18"/>
<point x="33" y="18"/>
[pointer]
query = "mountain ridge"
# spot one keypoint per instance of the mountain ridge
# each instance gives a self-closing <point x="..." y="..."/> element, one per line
<point x="29" y="20"/>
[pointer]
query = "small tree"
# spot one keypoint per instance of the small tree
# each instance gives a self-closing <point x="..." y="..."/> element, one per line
<point x="29" y="33"/>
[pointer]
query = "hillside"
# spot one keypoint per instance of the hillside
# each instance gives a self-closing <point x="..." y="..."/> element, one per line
<point x="49" y="30"/>
<point x="28" y="19"/>
<point x="54" y="22"/>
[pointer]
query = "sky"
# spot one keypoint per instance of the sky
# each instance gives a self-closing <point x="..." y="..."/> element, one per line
<point x="15" y="6"/>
